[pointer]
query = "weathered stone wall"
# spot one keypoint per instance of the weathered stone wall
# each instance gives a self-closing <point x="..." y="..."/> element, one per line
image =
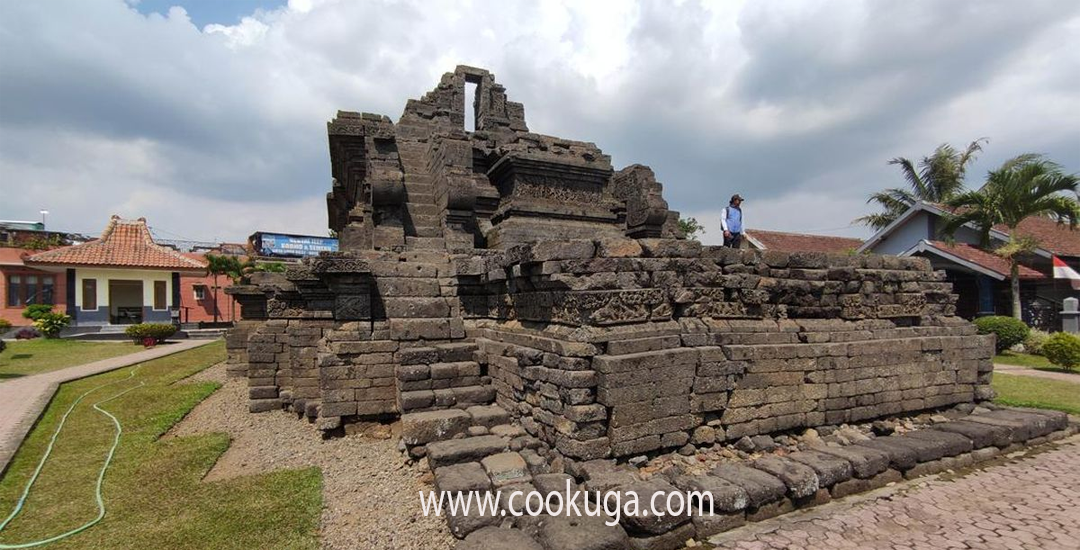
<point x="440" y="377"/>
<point x="615" y="348"/>
<point x="236" y="348"/>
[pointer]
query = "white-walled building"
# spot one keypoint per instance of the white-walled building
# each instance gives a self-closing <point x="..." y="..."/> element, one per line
<point x="121" y="278"/>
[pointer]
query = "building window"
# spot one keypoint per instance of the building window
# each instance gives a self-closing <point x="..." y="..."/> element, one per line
<point x="159" y="295"/>
<point x="23" y="290"/>
<point x="200" y="293"/>
<point x="89" y="294"/>
<point x="14" y="286"/>
<point x="47" y="290"/>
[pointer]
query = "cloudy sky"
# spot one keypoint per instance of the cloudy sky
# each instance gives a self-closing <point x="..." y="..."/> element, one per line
<point x="208" y="118"/>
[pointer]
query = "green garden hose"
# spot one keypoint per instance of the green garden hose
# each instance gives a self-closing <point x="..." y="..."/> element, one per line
<point x="101" y="474"/>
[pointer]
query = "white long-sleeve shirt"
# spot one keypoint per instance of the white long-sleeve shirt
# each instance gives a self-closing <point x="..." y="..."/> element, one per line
<point x="724" y="218"/>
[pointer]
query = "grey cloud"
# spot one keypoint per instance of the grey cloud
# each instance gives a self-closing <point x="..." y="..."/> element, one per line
<point x="223" y="124"/>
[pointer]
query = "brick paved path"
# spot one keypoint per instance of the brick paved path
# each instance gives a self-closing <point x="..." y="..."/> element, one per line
<point x="1028" y="503"/>
<point x="1062" y="376"/>
<point x="23" y="399"/>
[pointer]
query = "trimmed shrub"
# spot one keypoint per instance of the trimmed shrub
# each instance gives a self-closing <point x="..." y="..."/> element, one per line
<point x="37" y="311"/>
<point x="50" y="324"/>
<point x="150" y="334"/>
<point x="5" y="325"/>
<point x="1062" y="349"/>
<point x="1009" y="330"/>
<point x="1034" y="342"/>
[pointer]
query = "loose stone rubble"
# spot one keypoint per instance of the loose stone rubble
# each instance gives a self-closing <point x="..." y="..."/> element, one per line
<point x="534" y="316"/>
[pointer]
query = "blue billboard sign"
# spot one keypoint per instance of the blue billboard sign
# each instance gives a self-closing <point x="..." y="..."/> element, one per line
<point x="274" y="244"/>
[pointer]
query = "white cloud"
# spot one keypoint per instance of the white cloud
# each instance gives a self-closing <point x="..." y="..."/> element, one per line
<point x="221" y="131"/>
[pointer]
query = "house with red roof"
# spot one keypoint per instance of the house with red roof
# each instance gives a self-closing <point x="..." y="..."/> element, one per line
<point x="122" y="277"/>
<point x="21" y="285"/>
<point x="778" y="241"/>
<point x="980" y="277"/>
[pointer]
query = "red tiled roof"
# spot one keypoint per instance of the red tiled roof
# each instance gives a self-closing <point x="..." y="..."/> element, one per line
<point x="1054" y="237"/>
<point x="12" y="256"/>
<point x="801" y="242"/>
<point x="986" y="260"/>
<point x="124" y="243"/>
<point x="17" y="256"/>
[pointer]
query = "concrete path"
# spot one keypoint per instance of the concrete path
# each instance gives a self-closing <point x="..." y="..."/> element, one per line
<point x="1050" y="375"/>
<point x="1026" y="504"/>
<point x="23" y="399"/>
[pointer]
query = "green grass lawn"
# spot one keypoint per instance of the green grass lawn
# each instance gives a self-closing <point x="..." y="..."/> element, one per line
<point x="1030" y="361"/>
<point x="153" y="493"/>
<point x="41" y="355"/>
<point x="1040" y="393"/>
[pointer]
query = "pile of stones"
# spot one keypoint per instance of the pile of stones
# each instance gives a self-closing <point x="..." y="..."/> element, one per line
<point x="760" y="486"/>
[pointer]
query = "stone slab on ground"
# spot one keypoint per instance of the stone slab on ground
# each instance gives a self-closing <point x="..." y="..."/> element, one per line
<point x="1025" y="503"/>
<point x="726" y="496"/>
<point x="488" y="415"/>
<point x="506" y="468"/>
<point x="981" y="435"/>
<point x="952" y="443"/>
<point x="496" y="538"/>
<point x="645" y="522"/>
<point x="554" y="483"/>
<point x="465" y="477"/>
<point x="901" y="456"/>
<point x="426" y="427"/>
<point x="865" y="462"/>
<point x="761" y="488"/>
<point x="829" y="468"/>
<point x="801" y="480"/>
<point x="582" y="533"/>
<point x="670" y="540"/>
<point x="469" y="449"/>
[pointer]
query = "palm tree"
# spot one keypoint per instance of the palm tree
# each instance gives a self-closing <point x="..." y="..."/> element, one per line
<point x="1025" y="186"/>
<point x="939" y="177"/>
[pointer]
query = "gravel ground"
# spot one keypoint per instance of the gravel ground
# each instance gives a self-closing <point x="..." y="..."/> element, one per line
<point x="370" y="494"/>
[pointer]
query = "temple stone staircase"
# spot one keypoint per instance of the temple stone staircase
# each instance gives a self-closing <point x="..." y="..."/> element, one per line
<point x="422" y="227"/>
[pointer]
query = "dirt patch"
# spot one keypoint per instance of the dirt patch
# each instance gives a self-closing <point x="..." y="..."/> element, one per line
<point x="370" y="493"/>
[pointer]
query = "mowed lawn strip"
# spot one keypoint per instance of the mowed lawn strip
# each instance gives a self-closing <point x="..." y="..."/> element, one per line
<point x="1040" y="393"/>
<point x="43" y="355"/>
<point x="153" y="494"/>
<point x="1031" y="361"/>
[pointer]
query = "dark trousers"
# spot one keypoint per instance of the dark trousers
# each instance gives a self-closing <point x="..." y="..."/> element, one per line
<point x="734" y="241"/>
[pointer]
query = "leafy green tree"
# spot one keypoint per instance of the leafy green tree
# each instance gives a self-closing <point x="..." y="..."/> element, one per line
<point x="1025" y="186"/>
<point x="691" y="228"/>
<point x="938" y="178"/>
<point x="216" y="265"/>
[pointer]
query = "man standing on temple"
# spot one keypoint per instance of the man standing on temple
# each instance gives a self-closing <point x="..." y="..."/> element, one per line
<point x="731" y="222"/>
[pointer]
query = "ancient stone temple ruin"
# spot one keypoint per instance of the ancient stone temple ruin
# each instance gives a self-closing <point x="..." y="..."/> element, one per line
<point x="503" y="267"/>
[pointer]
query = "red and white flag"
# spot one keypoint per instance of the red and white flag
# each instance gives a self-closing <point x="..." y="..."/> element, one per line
<point x="1063" y="271"/>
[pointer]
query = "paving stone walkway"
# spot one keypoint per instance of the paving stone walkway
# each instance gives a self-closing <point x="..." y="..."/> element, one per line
<point x="1031" y="502"/>
<point x="22" y="400"/>
<point x="1050" y="375"/>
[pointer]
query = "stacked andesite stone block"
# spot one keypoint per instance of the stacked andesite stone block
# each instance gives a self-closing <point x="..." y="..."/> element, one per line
<point x="440" y="377"/>
<point x="600" y="354"/>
